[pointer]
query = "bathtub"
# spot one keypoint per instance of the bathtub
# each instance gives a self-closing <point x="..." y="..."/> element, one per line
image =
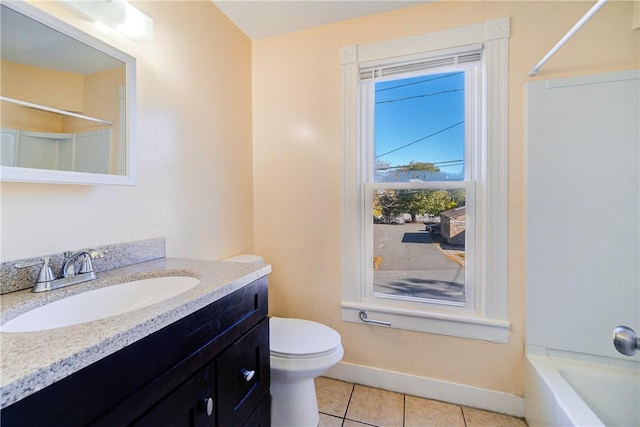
<point x="566" y="391"/>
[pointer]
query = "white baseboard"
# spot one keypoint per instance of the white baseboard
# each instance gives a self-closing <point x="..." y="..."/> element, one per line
<point x="459" y="394"/>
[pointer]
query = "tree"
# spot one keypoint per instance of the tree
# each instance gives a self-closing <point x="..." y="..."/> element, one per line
<point x="439" y="201"/>
<point x="391" y="203"/>
<point x="419" y="166"/>
<point x="382" y="165"/>
<point x="458" y="196"/>
<point x="388" y="203"/>
<point x="377" y="207"/>
<point x="413" y="202"/>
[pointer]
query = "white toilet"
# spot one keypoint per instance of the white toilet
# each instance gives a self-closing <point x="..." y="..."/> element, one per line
<point x="300" y="350"/>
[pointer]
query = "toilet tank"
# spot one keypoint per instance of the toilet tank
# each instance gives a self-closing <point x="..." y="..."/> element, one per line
<point x="248" y="258"/>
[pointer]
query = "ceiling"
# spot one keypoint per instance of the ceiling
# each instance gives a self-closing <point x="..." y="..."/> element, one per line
<point x="28" y="42"/>
<point x="265" y="18"/>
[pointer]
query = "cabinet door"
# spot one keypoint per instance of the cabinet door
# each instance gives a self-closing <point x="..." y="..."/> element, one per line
<point x="261" y="416"/>
<point x="190" y="405"/>
<point x="243" y="376"/>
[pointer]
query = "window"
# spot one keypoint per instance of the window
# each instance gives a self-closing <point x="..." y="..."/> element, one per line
<point x="425" y="182"/>
<point x="423" y="129"/>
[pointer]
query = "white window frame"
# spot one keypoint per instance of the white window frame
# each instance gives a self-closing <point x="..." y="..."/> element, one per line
<point x="472" y="169"/>
<point x="487" y="318"/>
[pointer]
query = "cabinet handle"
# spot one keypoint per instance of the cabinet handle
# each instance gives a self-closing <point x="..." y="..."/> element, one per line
<point x="247" y="375"/>
<point x="207" y="405"/>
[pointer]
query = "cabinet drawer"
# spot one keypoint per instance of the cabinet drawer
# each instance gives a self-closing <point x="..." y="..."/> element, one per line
<point x="243" y="376"/>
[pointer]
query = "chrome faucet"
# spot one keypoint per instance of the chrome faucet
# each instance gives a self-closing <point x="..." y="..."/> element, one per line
<point x="47" y="280"/>
<point x="68" y="266"/>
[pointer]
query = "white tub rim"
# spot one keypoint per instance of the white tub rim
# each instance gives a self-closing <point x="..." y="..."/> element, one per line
<point x="568" y="405"/>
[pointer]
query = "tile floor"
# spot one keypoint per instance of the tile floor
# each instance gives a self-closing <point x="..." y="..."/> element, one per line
<point x="344" y="404"/>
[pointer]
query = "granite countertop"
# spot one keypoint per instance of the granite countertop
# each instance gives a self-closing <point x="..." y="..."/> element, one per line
<point x="31" y="361"/>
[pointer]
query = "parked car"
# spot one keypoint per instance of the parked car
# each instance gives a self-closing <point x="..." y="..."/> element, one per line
<point x="433" y="228"/>
<point x="398" y="220"/>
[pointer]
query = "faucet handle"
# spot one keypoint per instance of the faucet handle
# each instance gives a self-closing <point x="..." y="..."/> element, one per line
<point x="45" y="274"/>
<point x="96" y="254"/>
<point x="31" y="263"/>
<point x="86" y="266"/>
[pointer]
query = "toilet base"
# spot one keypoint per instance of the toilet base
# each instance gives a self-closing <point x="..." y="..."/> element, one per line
<point x="294" y="404"/>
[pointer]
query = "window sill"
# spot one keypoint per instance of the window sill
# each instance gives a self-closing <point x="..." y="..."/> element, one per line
<point x="457" y="325"/>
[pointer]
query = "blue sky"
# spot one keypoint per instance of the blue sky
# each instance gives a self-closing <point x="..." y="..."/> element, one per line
<point x="421" y="119"/>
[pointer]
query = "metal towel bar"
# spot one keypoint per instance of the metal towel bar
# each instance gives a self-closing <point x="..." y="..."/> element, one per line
<point x="363" y="317"/>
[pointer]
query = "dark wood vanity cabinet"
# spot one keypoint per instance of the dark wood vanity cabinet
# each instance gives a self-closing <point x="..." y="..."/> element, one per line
<point x="223" y="393"/>
<point x="210" y="368"/>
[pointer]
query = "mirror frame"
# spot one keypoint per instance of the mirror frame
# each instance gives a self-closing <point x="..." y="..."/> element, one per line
<point x="20" y="174"/>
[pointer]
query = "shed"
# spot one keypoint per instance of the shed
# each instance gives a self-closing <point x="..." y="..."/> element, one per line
<point x="453" y="225"/>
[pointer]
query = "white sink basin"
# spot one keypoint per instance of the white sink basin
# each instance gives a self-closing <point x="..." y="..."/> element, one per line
<point x="100" y="303"/>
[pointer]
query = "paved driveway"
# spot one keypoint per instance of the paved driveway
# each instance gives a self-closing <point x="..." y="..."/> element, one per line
<point x="413" y="266"/>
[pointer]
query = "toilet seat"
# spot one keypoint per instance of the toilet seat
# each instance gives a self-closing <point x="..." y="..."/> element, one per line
<point x="301" y="339"/>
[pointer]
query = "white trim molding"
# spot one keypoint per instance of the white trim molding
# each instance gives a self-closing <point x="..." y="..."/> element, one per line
<point x="429" y="388"/>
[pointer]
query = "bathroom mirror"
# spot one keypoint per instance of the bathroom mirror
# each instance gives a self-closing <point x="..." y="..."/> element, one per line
<point x="67" y="102"/>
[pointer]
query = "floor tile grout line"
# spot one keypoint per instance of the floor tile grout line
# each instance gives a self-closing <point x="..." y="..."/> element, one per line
<point x="404" y="410"/>
<point x="344" y="416"/>
<point x="464" y="419"/>
<point x="346" y="410"/>
<point x="360" y="422"/>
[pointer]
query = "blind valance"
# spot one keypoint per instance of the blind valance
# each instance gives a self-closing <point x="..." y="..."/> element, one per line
<point x="463" y="55"/>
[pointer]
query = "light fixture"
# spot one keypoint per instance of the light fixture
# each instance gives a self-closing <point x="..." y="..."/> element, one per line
<point x="119" y="15"/>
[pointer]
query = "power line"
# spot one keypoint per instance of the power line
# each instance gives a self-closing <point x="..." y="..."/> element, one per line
<point x="421" y="139"/>
<point x="421" y="81"/>
<point x="420" y="96"/>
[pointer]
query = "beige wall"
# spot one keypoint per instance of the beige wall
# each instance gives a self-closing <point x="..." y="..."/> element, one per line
<point x="194" y="149"/>
<point x="57" y="89"/>
<point x="93" y="95"/>
<point x="298" y="169"/>
<point x="101" y="99"/>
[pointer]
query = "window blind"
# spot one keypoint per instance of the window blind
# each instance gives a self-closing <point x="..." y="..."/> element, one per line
<point x="464" y="55"/>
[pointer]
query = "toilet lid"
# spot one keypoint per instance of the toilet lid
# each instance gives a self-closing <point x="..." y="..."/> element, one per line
<point x="301" y="338"/>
